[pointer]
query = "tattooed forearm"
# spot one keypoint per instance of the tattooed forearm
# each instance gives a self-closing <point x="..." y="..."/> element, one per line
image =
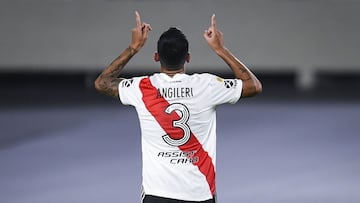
<point x="239" y="69"/>
<point x="251" y="85"/>
<point x="119" y="63"/>
<point x="245" y="73"/>
<point x="109" y="79"/>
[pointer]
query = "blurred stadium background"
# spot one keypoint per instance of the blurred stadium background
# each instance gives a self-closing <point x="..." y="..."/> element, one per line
<point x="60" y="141"/>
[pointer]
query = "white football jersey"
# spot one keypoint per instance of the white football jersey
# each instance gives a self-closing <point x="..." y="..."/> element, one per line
<point x="178" y="130"/>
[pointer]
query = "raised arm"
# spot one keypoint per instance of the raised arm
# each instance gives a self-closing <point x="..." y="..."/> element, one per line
<point x="107" y="82"/>
<point x="214" y="37"/>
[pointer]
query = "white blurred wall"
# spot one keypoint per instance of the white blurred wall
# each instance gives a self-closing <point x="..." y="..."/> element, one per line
<point x="270" y="35"/>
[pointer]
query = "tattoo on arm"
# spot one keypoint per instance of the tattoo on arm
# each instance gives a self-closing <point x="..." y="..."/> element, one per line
<point x="244" y="73"/>
<point x="251" y="85"/>
<point x="109" y="79"/>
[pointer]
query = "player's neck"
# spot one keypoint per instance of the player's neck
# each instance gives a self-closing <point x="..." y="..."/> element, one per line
<point x="171" y="73"/>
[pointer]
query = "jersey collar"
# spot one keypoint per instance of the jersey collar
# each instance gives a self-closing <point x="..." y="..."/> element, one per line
<point x="177" y="76"/>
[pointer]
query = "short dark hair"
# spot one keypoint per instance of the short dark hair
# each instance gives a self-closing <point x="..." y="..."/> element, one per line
<point x="172" y="48"/>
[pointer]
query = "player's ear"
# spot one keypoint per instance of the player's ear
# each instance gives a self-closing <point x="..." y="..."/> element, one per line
<point x="187" y="59"/>
<point x="156" y="57"/>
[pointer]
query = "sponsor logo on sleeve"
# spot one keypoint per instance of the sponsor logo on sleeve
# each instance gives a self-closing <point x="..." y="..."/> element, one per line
<point x="127" y="82"/>
<point x="230" y="83"/>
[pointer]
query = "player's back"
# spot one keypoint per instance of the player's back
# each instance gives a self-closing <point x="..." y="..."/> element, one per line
<point x="178" y="126"/>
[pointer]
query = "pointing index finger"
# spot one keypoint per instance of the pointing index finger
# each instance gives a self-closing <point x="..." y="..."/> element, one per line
<point x="138" y="20"/>
<point x="213" y="21"/>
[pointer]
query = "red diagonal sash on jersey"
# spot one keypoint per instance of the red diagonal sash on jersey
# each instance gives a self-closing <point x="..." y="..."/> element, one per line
<point x="156" y="106"/>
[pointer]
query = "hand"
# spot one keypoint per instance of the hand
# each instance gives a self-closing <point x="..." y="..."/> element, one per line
<point x="213" y="36"/>
<point x="139" y="33"/>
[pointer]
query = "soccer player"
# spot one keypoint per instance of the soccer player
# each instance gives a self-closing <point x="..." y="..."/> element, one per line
<point x="177" y="113"/>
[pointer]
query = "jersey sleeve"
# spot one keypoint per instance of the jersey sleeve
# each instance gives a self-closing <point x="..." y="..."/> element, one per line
<point x="129" y="91"/>
<point x="224" y="90"/>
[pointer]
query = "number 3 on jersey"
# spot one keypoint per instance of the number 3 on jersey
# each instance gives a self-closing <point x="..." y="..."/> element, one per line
<point x="181" y="123"/>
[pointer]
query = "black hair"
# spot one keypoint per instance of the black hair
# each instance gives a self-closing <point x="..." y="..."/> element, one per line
<point x="172" y="48"/>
